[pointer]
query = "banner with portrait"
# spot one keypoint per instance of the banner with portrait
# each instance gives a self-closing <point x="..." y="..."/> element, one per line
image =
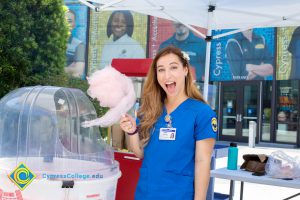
<point x="288" y="53"/>
<point x="247" y="55"/>
<point x="164" y="32"/>
<point x="76" y="46"/>
<point x="117" y="34"/>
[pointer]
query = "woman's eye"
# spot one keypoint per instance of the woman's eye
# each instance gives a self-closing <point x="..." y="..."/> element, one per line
<point x="174" y="67"/>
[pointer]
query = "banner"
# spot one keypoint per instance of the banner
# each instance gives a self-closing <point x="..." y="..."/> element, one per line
<point x="163" y="33"/>
<point x="248" y="55"/>
<point x="118" y="34"/>
<point x="288" y="51"/>
<point x="76" y="46"/>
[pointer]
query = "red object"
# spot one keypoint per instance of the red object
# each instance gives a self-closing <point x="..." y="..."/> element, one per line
<point x="129" y="166"/>
<point x="132" y="67"/>
<point x="193" y="72"/>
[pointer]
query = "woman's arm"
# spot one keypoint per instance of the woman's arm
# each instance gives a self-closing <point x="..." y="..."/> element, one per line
<point x="203" y="154"/>
<point x="128" y="125"/>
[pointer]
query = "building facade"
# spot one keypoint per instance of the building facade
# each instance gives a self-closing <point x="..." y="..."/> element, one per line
<point x="254" y="75"/>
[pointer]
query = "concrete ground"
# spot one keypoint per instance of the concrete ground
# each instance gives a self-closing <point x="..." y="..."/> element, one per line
<point x="256" y="191"/>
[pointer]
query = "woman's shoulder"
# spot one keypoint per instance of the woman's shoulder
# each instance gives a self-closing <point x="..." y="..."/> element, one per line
<point x="198" y="105"/>
<point x="200" y="110"/>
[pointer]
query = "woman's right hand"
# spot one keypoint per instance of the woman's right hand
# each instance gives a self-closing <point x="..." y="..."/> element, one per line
<point x="128" y="124"/>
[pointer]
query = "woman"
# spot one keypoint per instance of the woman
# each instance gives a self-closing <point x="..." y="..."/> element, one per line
<point x="120" y="45"/>
<point x="176" y="133"/>
<point x="75" y="50"/>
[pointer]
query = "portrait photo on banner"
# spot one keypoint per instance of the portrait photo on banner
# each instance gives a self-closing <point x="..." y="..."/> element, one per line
<point x="247" y="55"/>
<point x="288" y="53"/>
<point x="117" y="34"/>
<point x="76" y="16"/>
<point x="163" y="33"/>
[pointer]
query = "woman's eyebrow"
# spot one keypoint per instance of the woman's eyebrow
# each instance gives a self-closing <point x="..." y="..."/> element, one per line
<point x="171" y="63"/>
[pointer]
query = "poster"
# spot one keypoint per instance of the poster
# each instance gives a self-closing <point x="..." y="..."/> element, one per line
<point x="248" y="55"/>
<point x="118" y="34"/>
<point x="288" y="51"/>
<point x="76" y="46"/>
<point x="163" y="32"/>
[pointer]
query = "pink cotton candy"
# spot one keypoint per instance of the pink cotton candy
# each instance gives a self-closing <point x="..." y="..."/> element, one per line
<point x="114" y="90"/>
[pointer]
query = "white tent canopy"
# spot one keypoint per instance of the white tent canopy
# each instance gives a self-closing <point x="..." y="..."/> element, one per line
<point x="228" y="14"/>
<point x="212" y="15"/>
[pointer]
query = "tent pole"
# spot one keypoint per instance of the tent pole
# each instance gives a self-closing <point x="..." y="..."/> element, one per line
<point x="208" y="48"/>
<point x="207" y="66"/>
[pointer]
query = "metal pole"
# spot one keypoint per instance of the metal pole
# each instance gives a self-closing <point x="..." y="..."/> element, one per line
<point x="208" y="48"/>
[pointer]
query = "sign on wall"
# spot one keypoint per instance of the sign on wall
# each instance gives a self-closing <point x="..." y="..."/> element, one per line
<point x="288" y="53"/>
<point x="118" y="34"/>
<point x="76" y="46"/>
<point x="247" y="55"/>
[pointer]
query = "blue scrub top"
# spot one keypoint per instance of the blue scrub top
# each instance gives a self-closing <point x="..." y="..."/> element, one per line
<point x="168" y="166"/>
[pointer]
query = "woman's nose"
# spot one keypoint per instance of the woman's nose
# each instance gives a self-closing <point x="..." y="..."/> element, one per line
<point x="167" y="74"/>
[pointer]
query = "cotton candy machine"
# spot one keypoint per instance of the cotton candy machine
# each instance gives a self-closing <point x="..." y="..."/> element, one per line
<point x="46" y="154"/>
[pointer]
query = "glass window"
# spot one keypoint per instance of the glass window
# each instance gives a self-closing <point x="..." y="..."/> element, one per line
<point x="212" y="99"/>
<point x="287" y="111"/>
<point x="267" y="111"/>
<point x="229" y="110"/>
<point x="249" y="107"/>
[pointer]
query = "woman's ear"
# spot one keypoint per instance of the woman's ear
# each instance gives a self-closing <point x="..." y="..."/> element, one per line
<point x="186" y="70"/>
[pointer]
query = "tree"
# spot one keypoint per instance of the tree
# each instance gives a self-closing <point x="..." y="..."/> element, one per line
<point x="33" y="38"/>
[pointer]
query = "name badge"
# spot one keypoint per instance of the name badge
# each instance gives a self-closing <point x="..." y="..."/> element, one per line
<point x="167" y="134"/>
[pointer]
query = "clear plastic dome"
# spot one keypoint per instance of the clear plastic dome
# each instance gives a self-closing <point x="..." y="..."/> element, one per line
<point x="40" y="126"/>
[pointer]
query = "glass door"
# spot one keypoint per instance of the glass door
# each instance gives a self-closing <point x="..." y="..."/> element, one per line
<point x="250" y="102"/>
<point x="239" y="105"/>
<point x="229" y="110"/>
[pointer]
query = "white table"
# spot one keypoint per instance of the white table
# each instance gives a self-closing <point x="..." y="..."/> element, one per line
<point x="244" y="176"/>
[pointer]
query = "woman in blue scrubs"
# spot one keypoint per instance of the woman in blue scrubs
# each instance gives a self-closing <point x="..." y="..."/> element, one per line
<point x="175" y="134"/>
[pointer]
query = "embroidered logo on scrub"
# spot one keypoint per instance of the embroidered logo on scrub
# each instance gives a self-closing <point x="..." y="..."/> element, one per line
<point x="22" y="176"/>
<point x="259" y="46"/>
<point x="214" y="124"/>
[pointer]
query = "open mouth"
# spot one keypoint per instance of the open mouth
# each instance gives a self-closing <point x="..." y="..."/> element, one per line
<point x="118" y="30"/>
<point x="171" y="86"/>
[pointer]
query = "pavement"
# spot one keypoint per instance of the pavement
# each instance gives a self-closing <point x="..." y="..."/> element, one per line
<point x="257" y="191"/>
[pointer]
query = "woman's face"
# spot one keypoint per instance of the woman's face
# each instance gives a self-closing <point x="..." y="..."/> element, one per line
<point x="118" y="25"/>
<point x="71" y="20"/>
<point x="171" y="75"/>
